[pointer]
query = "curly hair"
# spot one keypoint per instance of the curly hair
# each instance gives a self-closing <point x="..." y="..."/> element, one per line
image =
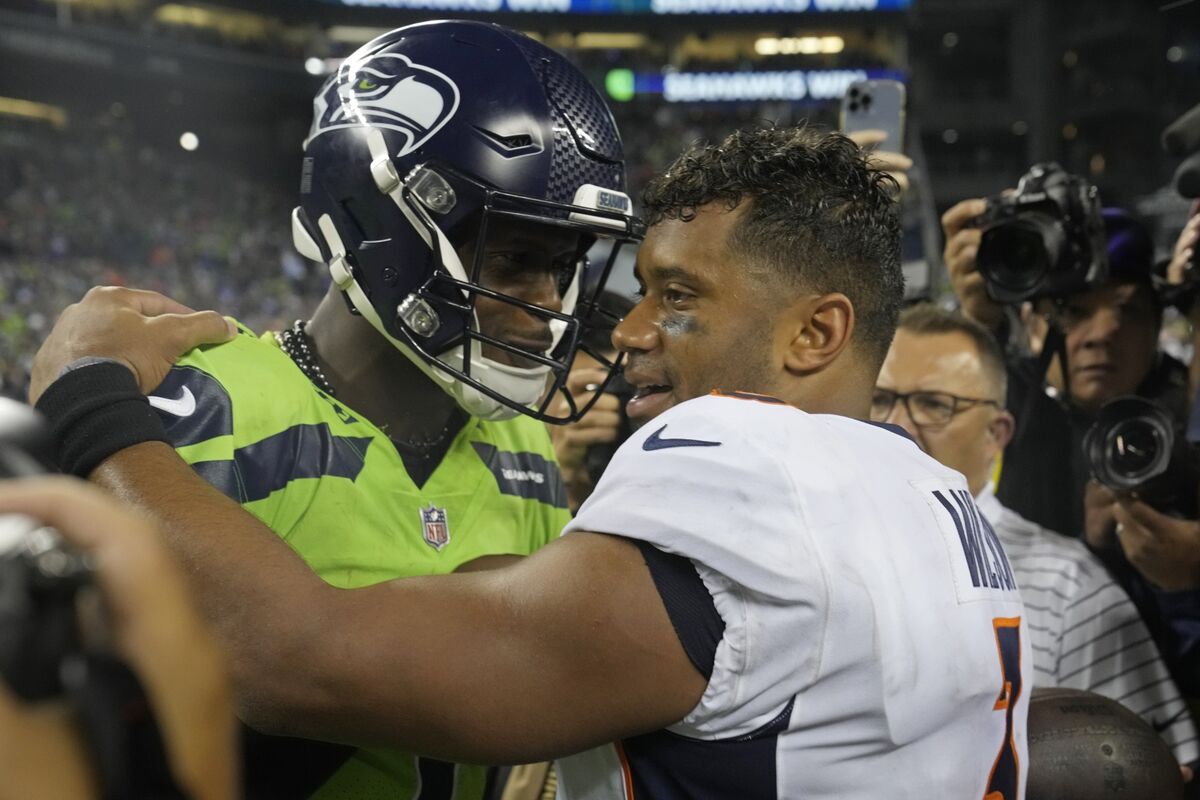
<point x="818" y="214"/>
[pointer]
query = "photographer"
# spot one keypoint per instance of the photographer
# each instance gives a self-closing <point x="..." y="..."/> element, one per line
<point x="1109" y="322"/>
<point x="1111" y="340"/>
<point x="43" y="751"/>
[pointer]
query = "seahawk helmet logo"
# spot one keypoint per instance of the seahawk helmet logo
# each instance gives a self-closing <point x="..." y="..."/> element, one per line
<point x="386" y="91"/>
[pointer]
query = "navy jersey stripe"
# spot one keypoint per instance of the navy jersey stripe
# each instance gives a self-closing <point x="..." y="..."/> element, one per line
<point x="891" y="428"/>
<point x="301" y="451"/>
<point x="527" y="475"/>
<point x="224" y="476"/>
<point x="213" y="415"/>
<point x="667" y="766"/>
<point x="689" y="605"/>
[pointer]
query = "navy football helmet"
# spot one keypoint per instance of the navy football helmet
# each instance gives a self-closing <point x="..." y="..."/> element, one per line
<point x="423" y="139"/>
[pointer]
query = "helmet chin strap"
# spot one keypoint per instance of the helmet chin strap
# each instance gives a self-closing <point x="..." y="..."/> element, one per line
<point x="523" y="386"/>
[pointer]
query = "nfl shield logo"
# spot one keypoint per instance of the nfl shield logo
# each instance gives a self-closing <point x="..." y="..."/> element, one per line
<point x="437" y="532"/>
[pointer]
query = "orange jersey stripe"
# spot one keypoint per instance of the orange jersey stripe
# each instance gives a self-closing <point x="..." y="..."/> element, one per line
<point x="626" y="773"/>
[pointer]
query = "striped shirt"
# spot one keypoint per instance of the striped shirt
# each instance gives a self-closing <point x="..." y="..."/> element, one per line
<point x="1086" y="633"/>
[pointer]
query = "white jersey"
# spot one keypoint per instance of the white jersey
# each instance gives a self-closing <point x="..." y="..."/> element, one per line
<point x="873" y="642"/>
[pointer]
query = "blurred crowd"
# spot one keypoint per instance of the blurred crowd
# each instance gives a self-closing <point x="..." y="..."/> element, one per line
<point x="81" y="207"/>
<point x="89" y="204"/>
<point x="246" y="31"/>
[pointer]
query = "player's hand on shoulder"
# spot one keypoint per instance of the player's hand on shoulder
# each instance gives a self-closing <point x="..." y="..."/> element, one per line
<point x="145" y="331"/>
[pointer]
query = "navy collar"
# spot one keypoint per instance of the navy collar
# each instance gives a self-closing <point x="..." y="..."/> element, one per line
<point x="887" y="426"/>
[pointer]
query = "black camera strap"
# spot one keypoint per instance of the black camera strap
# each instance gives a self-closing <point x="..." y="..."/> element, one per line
<point x="1054" y="344"/>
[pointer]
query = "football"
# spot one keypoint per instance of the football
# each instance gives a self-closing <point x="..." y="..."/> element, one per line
<point x="1084" y="746"/>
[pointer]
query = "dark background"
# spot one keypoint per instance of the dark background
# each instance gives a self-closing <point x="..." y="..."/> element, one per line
<point x="94" y="186"/>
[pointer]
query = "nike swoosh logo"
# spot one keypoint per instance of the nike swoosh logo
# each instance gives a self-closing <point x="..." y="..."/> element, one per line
<point x="182" y="406"/>
<point x="655" y="441"/>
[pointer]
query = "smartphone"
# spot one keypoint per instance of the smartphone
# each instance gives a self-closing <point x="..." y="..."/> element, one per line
<point x="876" y="105"/>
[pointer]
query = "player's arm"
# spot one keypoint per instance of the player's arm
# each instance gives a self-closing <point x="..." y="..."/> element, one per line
<point x="440" y="665"/>
<point x="569" y="648"/>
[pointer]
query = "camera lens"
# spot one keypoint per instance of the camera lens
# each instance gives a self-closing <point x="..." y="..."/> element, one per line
<point x="1133" y="448"/>
<point x="1016" y="255"/>
<point x="1130" y="443"/>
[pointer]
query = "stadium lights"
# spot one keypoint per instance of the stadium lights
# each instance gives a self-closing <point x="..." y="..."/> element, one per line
<point x="621" y="85"/>
<point x="226" y="21"/>
<point x="12" y="107"/>
<point x="799" y="45"/>
<point x="610" y="41"/>
<point x="354" y="34"/>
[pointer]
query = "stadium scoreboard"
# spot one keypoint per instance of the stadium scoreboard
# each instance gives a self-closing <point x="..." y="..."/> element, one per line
<point x="664" y="7"/>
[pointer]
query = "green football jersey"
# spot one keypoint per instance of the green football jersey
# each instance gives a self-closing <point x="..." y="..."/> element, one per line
<point x="333" y="486"/>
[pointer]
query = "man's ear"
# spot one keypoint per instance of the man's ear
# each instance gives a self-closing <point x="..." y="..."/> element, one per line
<point x="817" y="330"/>
<point x="1002" y="429"/>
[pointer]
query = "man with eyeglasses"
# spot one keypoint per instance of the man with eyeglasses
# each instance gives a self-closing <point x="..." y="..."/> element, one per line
<point x="943" y="382"/>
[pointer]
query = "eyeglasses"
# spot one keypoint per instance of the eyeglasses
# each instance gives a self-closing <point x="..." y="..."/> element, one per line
<point x="927" y="409"/>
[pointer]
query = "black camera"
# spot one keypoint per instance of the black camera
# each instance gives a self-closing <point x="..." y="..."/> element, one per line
<point x="40" y="577"/>
<point x="1135" y="446"/>
<point x="51" y="647"/>
<point x="1046" y="239"/>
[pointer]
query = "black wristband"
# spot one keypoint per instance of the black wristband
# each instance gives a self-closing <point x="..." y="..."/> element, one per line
<point x="95" y="411"/>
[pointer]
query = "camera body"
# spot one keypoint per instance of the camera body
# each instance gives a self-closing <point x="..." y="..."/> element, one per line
<point x="51" y="646"/>
<point x="40" y="580"/>
<point x="1136" y="446"/>
<point x="40" y="577"/>
<point x="1046" y="239"/>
